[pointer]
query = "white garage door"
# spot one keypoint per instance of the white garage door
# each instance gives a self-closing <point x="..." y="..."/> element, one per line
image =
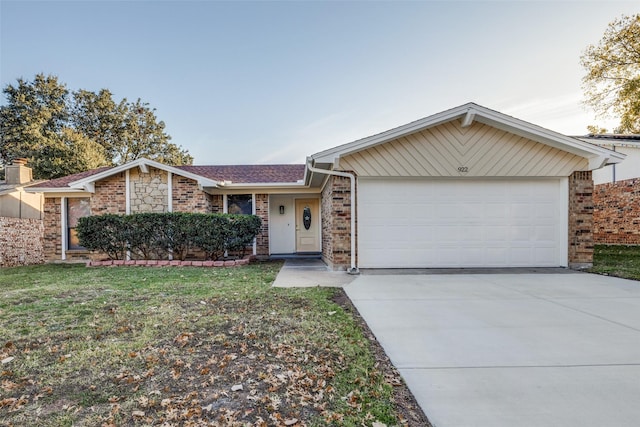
<point x="404" y="223"/>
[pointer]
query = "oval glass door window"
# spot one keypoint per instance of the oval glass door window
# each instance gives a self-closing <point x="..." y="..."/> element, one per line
<point x="306" y="217"/>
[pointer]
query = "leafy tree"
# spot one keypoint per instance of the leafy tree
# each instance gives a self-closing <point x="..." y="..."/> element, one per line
<point x="32" y="122"/>
<point x="98" y="117"/>
<point x="63" y="133"/>
<point x="612" y="82"/>
<point x="126" y="130"/>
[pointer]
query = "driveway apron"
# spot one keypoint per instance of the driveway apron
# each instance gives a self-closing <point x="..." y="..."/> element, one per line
<point x="511" y="349"/>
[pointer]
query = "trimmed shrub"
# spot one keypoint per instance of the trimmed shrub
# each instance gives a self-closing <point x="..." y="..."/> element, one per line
<point x="105" y="233"/>
<point x="158" y="235"/>
<point x="243" y="229"/>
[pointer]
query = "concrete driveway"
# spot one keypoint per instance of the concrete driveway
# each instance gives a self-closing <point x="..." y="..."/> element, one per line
<point x="511" y="349"/>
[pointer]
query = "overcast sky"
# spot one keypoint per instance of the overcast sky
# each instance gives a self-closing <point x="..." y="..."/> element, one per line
<point x="273" y="82"/>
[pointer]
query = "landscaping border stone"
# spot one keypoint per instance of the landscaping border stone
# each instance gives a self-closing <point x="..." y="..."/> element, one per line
<point x="167" y="263"/>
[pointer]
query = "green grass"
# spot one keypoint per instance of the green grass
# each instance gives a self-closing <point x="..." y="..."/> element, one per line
<point x="147" y="346"/>
<point x="617" y="260"/>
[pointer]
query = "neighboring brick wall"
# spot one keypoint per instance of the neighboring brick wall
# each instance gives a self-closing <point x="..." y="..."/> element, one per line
<point x="262" y="210"/>
<point x="21" y="241"/>
<point x="187" y="197"/>
<point x="580" y="220"/>
<point x="109" y="196"/>
<point x="616" y="213"/>
<point x="336" y="223"/>
<point x="149" y="192"/>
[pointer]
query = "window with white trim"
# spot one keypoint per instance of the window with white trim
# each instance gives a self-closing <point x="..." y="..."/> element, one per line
<point x="240" y="204"/>
<point x="76" y="209"/>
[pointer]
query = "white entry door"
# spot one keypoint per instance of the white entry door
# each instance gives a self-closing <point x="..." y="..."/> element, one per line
<point x="413" y="223"/>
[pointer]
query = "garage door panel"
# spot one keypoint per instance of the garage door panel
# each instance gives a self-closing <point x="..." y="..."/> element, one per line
<point x="454" y="223"/>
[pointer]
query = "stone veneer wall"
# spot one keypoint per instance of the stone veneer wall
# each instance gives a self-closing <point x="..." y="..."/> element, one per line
<point x="21" y="241"/>
<point x="581" y="220"/>
<point x="336" y="223"/>
<point x="616" y="213"/>
<point x="149" y="192"/>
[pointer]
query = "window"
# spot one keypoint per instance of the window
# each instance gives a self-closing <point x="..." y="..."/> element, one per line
<point x="240" y="204"/>
<point x="76" y="208"/>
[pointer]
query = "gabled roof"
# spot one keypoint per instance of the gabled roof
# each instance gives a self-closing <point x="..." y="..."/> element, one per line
<point x="469" y="113"/>
<point x="249" y="174"/>
<point x="206" y="176"/>
<point x="65" y="180"/>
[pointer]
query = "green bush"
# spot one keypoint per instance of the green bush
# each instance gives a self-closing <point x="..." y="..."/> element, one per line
<point x="157" y="235"/>
<point x="243" y="229"/>
<point x="105" y="233"/>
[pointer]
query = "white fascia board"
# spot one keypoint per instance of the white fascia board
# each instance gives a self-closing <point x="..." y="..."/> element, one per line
<point x="473" y="112"/>
<point x="263" y="185"/>
<point x="56" y="190"/>
<point x="609" y="142"/>
<point x="544" y="136"/>
<point x="143" y="164"/>
<point x="331" y="155"/>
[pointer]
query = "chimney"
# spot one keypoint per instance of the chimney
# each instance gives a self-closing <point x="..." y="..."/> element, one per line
<point x="17" y="172"/>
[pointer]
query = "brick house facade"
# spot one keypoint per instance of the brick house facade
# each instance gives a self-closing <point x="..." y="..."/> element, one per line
<point x="336" y="222"/>
<point x="580" y="219"/>
<point x="492" y="153"/>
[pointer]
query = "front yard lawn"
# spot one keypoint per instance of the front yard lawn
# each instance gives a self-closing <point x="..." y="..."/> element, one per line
<point x="183" y="346"/>
<point x="617" y="260"/>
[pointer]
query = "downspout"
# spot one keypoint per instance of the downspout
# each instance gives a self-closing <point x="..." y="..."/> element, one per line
<point x="614" y="168"/>
<point x="352" y="178"/>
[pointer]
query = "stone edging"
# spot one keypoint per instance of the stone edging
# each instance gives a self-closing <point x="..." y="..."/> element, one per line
<point x="167" y="263"/>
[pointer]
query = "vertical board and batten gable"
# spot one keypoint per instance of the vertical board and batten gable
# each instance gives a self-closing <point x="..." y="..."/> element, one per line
<point x="450" y="150"/>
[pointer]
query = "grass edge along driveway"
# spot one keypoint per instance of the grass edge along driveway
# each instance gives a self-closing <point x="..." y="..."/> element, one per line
<point x="182" y="346"/>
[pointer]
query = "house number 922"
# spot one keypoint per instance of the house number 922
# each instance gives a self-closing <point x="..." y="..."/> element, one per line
<point x="463" y="169"/>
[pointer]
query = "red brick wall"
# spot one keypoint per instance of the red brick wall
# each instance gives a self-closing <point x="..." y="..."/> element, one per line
<point x="109" y="196"/>
<point x="616" y="213"/>
<point x="262" y="210"/>
<point x="21" y="241"/>
<point x="187" y="197"/>
<point x="336" y="222"/>
<point x="52" y="238"/>
<point x="580" y="220"/>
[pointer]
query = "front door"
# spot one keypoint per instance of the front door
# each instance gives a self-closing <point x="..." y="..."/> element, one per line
<point x="307" y="225"/>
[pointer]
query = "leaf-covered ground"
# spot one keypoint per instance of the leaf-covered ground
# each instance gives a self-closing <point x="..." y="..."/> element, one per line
<point x="187" y="346"/>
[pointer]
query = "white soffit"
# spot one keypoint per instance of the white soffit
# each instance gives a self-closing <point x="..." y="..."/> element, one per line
<point x="468" y="113"/>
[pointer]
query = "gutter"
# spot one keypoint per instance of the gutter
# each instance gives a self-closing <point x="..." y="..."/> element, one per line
<point x="354" y="268"/>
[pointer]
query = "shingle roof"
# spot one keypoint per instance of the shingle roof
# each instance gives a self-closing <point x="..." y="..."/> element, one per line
<point x="65" y="180"/>
<point x="242" y="174"/>
<point x="237" y="174"/>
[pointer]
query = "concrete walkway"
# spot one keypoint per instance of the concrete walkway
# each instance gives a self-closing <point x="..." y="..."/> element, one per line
<point x="511" y="349"/>
<point x="305" y="272"/>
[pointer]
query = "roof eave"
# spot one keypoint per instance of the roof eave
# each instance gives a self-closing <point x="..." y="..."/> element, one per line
<point x="55" y="190"/>
<point x="469" y="113"/>
<point x="261" y="185"/>
<point x="142" y="163"/>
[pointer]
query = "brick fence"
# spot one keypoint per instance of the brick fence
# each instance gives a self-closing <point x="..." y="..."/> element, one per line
<point x="21" y="241"/>
<point x="616" y="213"/>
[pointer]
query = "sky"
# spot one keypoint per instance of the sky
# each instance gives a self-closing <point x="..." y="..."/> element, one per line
<point x="272" y="82"/>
